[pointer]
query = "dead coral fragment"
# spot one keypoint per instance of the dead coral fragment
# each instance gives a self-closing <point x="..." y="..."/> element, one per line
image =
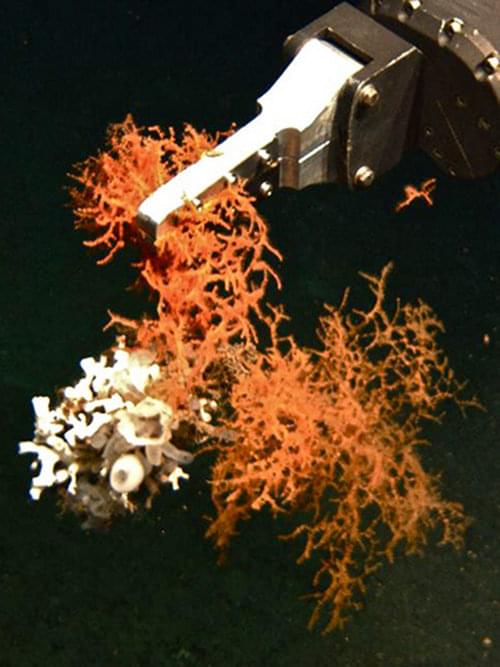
<point x="107" y="437"/>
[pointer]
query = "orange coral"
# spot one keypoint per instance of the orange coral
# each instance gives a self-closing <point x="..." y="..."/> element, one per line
<point x="210" y="268"/>
<point x="112" y="184"/>
<point x="412" y="193"/>
<point x="331" y="434"/>
<point x="335" y="433"/>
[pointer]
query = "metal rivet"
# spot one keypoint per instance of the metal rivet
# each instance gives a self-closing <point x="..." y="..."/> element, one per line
<point x="449" y="29"/>
<point x="497" y="152"/>
<point x="368" y="95"/>
<point x="428" y="131"/>
<point x="411" y="6"/>
<point x="408" y="8"/>
<point x="264" y="155"/>
<point x="461" y="102"/>
<point x="454" y="26"/>
<point x="488" y="67"/>
<point x="266" y="189"/>
<point x="364" y="176"/>
<point x="437" y="153"/>
<point x="491" y="64"/>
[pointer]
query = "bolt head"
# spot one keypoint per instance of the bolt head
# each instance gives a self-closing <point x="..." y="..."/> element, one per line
<point x="369" y="95"/>
<point x="454" y="26"/>
<point x="492" y="63"/>
<point x="264" y="155"/>
<point x="488" y="67"/>
<point x="266" y="189"/>
<point x="364" y="176"/>
<point x="412" y="5"/>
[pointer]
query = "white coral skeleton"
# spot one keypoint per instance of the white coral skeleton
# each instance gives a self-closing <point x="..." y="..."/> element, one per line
<point x="107" y="437"/>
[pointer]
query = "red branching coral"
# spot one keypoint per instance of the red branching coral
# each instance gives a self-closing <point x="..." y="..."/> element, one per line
<point x="334" y="433"/>
<point x="112" y="184"/>
<point x="331" y="435"/>
<point x="210" y="268"/>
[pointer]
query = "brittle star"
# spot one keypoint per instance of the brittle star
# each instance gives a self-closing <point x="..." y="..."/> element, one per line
<point x="411" y="193"/>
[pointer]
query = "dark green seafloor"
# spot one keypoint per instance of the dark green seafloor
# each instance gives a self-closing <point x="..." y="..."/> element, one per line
<point x="149" y="593"/>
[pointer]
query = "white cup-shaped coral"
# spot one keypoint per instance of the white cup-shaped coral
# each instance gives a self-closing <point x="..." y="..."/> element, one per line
<point x="145" y="423"/>
<point x="126" y="474"/>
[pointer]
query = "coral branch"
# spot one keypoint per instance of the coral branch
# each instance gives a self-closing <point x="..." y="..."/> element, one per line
<point x="412" y="193"/>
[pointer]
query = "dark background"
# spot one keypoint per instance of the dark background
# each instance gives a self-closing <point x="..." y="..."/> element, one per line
<point x="149" y="592"/>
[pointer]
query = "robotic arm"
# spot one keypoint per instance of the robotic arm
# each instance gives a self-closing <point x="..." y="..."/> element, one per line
<point x="363" y="86"/>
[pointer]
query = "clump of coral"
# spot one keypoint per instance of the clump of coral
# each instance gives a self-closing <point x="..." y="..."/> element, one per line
<point x="210" y="268"/>
<point x="334" y="434"/>
<point x="108" y="438"/>
<point x="330" y="435"/>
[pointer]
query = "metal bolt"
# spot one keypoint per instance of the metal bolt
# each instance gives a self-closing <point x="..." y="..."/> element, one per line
<point x="266" y="189"/>
<point x="491" y="64"/>
<point x="369" y="95"/>
<point x="488" y="67"/>
<point x="454" y="26"/>
<point x="264" y="155"/>
<point x="364" y="176"/>
<point x="412" y="6"/>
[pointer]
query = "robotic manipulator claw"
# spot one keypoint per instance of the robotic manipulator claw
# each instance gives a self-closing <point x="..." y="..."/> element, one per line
<point x="287" y="144"/>
<point x="362" y="87"/>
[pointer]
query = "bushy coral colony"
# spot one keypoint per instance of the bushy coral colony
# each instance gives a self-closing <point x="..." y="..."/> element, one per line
<point x="330" y="435"/>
